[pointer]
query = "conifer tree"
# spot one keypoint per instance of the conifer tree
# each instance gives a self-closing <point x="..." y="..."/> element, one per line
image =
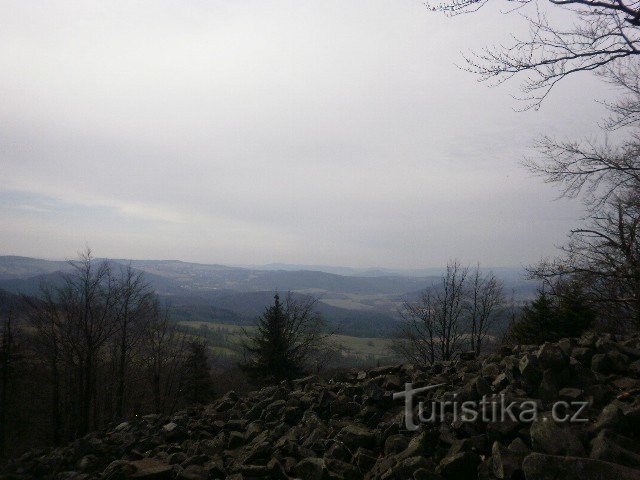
<point x="574" y="314"/>
<point x="549" y="318"/>
<point x="197" y="386"/>
<point x="536" y="323"/>
<point x="286" y="336"/>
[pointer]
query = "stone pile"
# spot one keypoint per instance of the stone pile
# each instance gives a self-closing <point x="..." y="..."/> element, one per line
<point x="352" y="427"/>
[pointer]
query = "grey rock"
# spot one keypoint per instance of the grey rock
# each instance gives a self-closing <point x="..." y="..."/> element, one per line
<point x="311" y="469"/>
<point x="354" y="436"/>
<point x="395" y="444"/>
<point x="528" y="367"/>
<point x="342" y="470"/>
<point x="601" y="363"/>
<point x="538" y="466"/>
<point x="88" y="463"/>
<point x="570" y="394"/>
<point x="236" y="439"/>
<point x="547" y="436"/>
<point x="583" y="355"/>
<point x="552" y="381"/>
<point x="193" y="472"/>
<point x="426" y="474"/>
<point x="462" y="465"/>
<point x="550" y="355"/>
<point x="170" y="427"/>
<point x="507" y="464"/>
<point x="610" y="417"/>
<point x="151" y="469"/>
<point x="611" y="447"/>
<point x="122" y="426"/>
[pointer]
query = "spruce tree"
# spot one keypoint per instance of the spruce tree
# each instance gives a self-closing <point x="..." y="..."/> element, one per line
<point x="537" y="321"/>
<point x="549" y="318"/>
<point x="573" y="314"/>
<point x="197" y="383"/>
<point x="285" y="336"/>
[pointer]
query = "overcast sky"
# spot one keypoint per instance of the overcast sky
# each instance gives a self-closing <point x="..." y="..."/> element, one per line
<point x="247" y="132"/>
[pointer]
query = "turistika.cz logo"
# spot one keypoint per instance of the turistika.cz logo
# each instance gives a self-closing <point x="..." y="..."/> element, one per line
<point x="495" y="408"/>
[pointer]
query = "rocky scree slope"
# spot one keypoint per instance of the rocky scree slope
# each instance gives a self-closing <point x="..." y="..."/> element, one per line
<point x="352" y="428"/>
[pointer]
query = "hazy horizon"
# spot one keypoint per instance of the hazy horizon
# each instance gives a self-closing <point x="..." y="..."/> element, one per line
<point x="285" y="265"/>
<point x="333" y="133"/>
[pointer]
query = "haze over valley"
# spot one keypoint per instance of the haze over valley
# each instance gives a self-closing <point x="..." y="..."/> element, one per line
<point x="360" y="302"/>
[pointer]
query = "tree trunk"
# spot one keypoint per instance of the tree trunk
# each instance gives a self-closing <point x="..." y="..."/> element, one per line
<point x="6" y="364"/>
<point x="87" y="393"/>
<point x="121" y="367"/>
<point x="55" y="403"/>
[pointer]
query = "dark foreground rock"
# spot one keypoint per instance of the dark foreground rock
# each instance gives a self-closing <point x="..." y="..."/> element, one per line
<point x="538" y="466"/>
<point x="351" y="428"/>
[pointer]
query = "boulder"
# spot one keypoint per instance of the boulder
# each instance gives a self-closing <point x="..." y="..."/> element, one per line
<point x="353" y="436"/>
<point x="507" y="464"/>
<point x="547" y="436"/>
<point x="462" y="465"/>
<point x="350" y="427"/>
<point x="311" y="469"/>
<point x="528" y="367"/>
<point x="151" y="469"/>
<point x="601" y="363"/>
<point x="364" y="459"/>
<point x="538" y="466"/>
<point x="118" y="469"/>
<point x="426" y="474"/>
<point x="550" y="355"/>
<point x="583" y="355"/>
<point x="611" y="447"/>
<point x="610" y="417"/>
<point x="193" y="472"/>
<point x="236" y="439"/>
<point x="570" y="394"/>
<point x="552" y="381"/>
<point x="395" y="444"/>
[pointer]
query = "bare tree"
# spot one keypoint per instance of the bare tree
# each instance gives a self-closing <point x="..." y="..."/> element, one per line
<point x="603" y="254"/>
<point x="88" y="300"/>
<point x="625" y="110"/>
<point x="306" y="329"/>
<point x="449" y="316"/>
<point x="45" y="318"/>
<point x="604" y="257"/>
<point x="415" y="338"/>
<point x="434" y="328"/>
<point x="604" y="38"/>
<point x="485" y="299"/>
<point x="73" y="321"/>
<point x="600" y="172"/>
<point x="162" y="356"/>
<point x="7" y="344"/>
<point x="133" y="307"/>
<point x="98" y="337"/>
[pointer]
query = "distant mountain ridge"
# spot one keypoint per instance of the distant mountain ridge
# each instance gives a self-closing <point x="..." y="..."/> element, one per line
<point x="234" y="295"/>
<point x="202" y="277"/>
<point x="346" y="271"/>
<point x="365" y="305"/>
<point x="512" y="273"/>
<point x="13" y="266"/>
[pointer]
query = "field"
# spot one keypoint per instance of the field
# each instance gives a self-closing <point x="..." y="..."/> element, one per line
<point x="224" y="339"/>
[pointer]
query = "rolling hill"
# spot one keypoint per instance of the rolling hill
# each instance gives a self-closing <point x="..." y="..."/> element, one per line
<point x="363" y="305"/>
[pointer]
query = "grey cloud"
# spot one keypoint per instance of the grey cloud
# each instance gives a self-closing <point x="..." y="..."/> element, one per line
<point x="335" y="132"/>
